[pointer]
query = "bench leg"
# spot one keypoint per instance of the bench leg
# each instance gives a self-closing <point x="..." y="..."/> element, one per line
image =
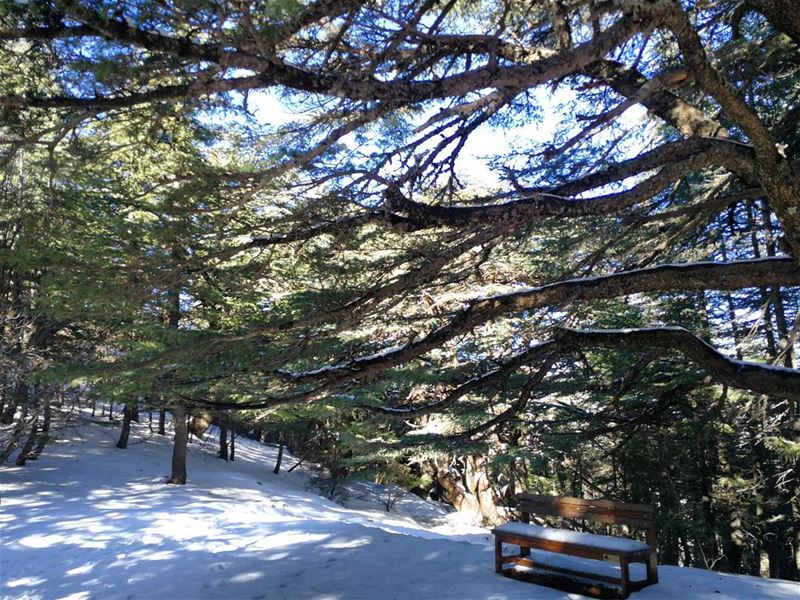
<point x="652" y="569"/>
<point x="498" y="555"/>
<point x="625" y="577"/>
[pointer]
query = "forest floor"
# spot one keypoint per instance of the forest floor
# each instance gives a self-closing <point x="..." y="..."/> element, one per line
<point x="87" y="520"/>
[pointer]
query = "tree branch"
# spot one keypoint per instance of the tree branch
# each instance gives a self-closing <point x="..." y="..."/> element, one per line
<point x="756" y="377"/>
<point x="693" y="276"/>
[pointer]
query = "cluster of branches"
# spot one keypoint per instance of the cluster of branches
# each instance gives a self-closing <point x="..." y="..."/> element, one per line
<point x="369" y="61"/>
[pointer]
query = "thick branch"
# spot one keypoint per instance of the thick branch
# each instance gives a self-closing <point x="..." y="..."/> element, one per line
<point x="276" y="72"/>
<point x="761" y="378"/>
<point x="693" y="276"/>
<point x="688" y="119"/>
<point x="676" y="161"/>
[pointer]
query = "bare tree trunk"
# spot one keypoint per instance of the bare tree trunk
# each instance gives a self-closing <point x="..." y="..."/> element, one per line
<point x="44" y="435"/>
<point x="466" y="485"/>
<point x="8" y="414"/>
<point x="233" y="444"/>
<point x="19" y="430"/>
<point x="278" y="461"/>
<point x="126" y="427"/>
<point x="179" y="448"/>
<point x="135" y="412"/>
<point x="223" y="438"/>
<point x="162" y="417"/>
<point x="736" y="543"/>
<point x="28" y="446"/>
<point x="179" y="416"/>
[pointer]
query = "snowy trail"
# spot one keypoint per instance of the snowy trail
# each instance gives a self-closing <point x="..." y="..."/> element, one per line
<point x="88" y="520"/>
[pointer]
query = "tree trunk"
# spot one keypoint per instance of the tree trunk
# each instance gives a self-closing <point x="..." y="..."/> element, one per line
<point x="44" y="435"/>
<point x="179" y="415"/>
<point x="8" y="413"/>
<point x="736" y="543"/>
<point x="278" y="461"/>
<point x="466" y="486"/>
<point x="760" y="481"/>
<point x="126" y="427"/>
<point x="223" y="439"/>
<point x="162" y="417"/>
<point x="233" y="444"/>
<point x="135" y="412"/>
<point x="179" y="448"/>
<point x="28" y="446"/>
<point x="16" y="434"/>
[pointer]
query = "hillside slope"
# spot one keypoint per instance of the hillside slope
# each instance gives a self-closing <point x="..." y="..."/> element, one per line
<point x="88" y="520"/>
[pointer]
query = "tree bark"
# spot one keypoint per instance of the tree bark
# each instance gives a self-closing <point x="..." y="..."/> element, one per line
<point x="179" y="414"/>
<point x="179" y="448"/>
<point x="162" y="418"/>
<point x="28" y="445"/>
<point x="8" y="413"/>
<point x="16" y="434"/>
<point x="223" y="439"/>
<point x="44" y="434"/>
<point x="126" y="427"/>
<point x="278" y="461"/>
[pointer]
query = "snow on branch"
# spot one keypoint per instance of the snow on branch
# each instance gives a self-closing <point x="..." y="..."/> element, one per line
<point x="662" y="278"/>
<point x="756" y="377"/>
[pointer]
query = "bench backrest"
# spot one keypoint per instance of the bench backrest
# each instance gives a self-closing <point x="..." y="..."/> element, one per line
<point x="602" y="511"/>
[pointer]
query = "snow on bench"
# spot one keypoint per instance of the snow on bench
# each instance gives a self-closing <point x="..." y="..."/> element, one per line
<point x="607" y="543"/>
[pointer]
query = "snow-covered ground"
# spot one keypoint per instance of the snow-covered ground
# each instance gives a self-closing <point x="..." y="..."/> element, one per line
<point x="87" y="520"/>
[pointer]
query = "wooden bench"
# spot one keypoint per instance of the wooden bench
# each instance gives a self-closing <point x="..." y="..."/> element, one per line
<point x="586" y="545"/>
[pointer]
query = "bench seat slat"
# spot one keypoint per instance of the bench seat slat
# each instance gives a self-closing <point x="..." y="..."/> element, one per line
<point x="604" y="543"/>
